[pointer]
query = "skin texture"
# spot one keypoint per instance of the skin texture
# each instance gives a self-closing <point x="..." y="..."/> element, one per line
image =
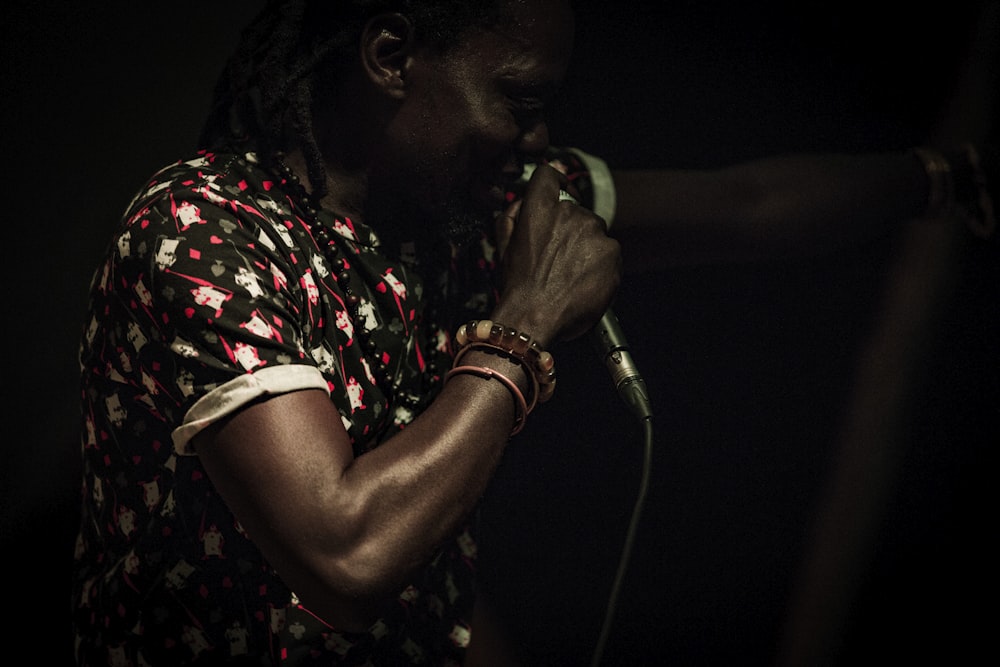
<point x="447" y="127"/>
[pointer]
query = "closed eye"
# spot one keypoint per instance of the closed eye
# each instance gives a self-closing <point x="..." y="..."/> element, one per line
<point x="527" y="107"/>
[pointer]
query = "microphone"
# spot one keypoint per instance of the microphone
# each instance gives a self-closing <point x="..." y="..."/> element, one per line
<point x="608" y="340"/>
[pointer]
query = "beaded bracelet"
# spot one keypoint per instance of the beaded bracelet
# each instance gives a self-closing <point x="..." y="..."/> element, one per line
<point x="538" y="364"/>
<point x="521" y="405"/>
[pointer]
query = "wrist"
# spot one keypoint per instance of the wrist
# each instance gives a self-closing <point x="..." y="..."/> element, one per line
<point x="513" y="313"/>
<point x="489" y="337"/>
<point x="493" y="360"/>
<point x="957" y="188"/>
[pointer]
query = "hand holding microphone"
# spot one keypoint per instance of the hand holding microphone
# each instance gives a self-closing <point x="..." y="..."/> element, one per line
<point x="560" y="269"/>
<point x="607" y="336"/>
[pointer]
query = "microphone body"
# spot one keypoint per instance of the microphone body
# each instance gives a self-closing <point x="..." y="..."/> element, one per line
<point x="609" y="341"/>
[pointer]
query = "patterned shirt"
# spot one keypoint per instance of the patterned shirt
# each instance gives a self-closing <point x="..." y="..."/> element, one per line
<point x="214" y="293"/>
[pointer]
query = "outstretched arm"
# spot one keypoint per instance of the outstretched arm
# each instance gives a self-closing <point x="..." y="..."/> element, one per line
<point x="796" y="205"/>
<point x="772" y="207"/>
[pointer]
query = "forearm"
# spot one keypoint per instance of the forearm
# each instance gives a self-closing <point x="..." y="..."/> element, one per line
<point x="785" y="206"/>
<point x="416" y="489"/>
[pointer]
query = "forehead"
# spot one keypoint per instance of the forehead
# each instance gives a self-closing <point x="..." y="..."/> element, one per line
<point x="533" y="44"/>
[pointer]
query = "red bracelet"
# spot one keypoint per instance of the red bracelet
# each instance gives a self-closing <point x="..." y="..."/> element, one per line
<point x="520" y="407"/>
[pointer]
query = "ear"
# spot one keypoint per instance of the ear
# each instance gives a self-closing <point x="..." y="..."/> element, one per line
<point x="386" y="44"/>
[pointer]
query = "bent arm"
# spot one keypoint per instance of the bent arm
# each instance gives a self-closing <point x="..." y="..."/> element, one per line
<point x="345" y="532"/>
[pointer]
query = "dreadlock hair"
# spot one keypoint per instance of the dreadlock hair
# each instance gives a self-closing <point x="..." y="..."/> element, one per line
<point x="264" y="98"/>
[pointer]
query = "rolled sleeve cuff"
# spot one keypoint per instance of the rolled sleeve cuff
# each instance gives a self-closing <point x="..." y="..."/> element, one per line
<point x="226" y="399"/>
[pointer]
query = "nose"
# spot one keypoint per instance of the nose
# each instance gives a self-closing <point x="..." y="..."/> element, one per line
<point x="534" y="139"/>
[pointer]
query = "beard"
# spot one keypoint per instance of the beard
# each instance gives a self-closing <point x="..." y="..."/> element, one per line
<point x="438" y="198"/>
<point x="437" y="236"/>
<point x="457" y="219"/>
<point x="463" y="221"/>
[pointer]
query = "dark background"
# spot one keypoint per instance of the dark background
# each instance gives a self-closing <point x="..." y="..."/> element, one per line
<point x="750" y="367"/>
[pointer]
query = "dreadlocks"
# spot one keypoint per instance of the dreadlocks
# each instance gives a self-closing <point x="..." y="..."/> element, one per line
<point x="265" y="97"/>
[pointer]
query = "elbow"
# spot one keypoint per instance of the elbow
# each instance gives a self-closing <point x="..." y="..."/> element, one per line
<point x="349" y="589"/>
<point x="348" y="597"/>
<point x="365" y="577"/>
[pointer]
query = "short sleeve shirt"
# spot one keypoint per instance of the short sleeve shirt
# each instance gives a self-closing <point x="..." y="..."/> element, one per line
<point x="216" y="291"/>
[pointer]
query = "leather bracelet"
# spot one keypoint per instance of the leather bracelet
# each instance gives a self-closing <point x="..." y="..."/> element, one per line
<point x="520" y="405"/>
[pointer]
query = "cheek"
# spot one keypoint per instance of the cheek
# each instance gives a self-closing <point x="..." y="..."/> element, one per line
<point x="483" y="113"/>
<point x="496" y="131"/>
<point x="472" y="141"/>
<point x="464" y="133"/>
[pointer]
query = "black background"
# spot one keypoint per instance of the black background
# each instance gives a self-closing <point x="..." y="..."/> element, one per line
<point x="749" y="367"/>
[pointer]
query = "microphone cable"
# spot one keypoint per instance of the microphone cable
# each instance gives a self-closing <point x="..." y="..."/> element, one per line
<point x="611" y="345"/>
<point x="609" y="342"/>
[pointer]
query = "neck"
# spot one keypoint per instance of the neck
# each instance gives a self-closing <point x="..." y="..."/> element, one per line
<point x="346" y="189"/>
